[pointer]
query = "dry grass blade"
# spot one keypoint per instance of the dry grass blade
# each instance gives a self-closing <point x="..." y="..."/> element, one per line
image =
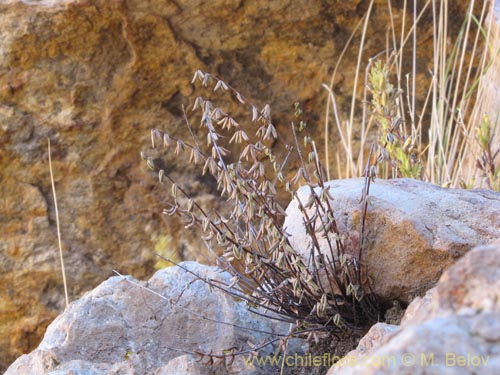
<point x="61" y="258"/>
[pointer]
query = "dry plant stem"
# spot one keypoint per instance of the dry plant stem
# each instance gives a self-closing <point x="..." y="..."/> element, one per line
<point x="350" y="168"/>
<point x="226" y="357"/>
<point x="61" y="258"/>
<point x="393" y="31"/>
<point x="398" y="60"/>
<point x="354" y="166"/>
<point x="454" y="133"/>
<point x="312" y="230"/>
<point x="333" y="103"/>
<point x="364" y="202"/>
<point x="414" y="65"/>
<point x="358" y="64"/>
<point x="403" y="25"/>
<point x="450" y="135"/>
<point x="467" y="92"/>
<point x="340" y="130"/>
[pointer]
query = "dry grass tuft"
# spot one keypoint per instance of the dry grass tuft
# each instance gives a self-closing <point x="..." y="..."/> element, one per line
<point x="432" y="137"/>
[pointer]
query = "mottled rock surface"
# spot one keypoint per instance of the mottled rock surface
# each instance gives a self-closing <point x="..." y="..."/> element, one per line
<point x="95" y="76"/>
<point x="414" y="230"/>
<point x="120" y="327"/>
<point x="454" y="329"/>
<point x="471" y="285"/>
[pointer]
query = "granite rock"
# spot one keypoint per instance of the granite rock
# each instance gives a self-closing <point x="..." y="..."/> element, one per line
<point x="130" y="327"/>
<point x="414" y="230"/>
<point x="454" y="329"/>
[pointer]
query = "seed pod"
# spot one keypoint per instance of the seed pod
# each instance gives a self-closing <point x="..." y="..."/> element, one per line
<point x="395" y="123"/>
<point x="390" y="138"/>
<point x="407" y="144"/>
<point x="310" y="201"/>
<point x="337" y="320"/>
<point x="150" y="163"/>
<point x="190" y="205"/>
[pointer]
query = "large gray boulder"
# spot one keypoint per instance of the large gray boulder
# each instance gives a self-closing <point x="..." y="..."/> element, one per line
<point x="454" y="329"/>
<point x="414" y="230"/>
<point x="123" y="328"/>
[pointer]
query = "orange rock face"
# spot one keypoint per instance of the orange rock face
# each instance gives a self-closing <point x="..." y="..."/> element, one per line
<point x="95" y="76"/>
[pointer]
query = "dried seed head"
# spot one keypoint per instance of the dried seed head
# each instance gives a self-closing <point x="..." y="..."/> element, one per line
<point x="255" y="114"/>
<point x="198" y="75"/>
<point x="240" y="98"/>
<point x="265" y="113"/>
<point x="218" y="85"/>
<point x="167" y="141"/>
<point x="407" y="145"/>
<point x="151" y="164"/>
<point x="396" y="122"/>
<point x="390" y="138"/>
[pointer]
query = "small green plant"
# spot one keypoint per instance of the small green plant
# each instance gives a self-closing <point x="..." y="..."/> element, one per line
<point x="486" y="163"/>
<point x="267" y="272"/>
<point x="394" y="147"/>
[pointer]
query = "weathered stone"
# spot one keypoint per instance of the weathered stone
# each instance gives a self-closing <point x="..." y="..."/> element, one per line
<point x="454" y="329"/>
<point x="121" y="326"/>
<point x="420" y="308"/>
<point x="414" y="230"/>
<point x="374" y="338"/>
<point x="472" y="285"/>
<point x="186" y="365"/>
<point x="448" y="345"/>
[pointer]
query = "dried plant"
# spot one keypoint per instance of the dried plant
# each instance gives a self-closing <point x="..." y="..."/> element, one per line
<point x="266" y="271"/>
